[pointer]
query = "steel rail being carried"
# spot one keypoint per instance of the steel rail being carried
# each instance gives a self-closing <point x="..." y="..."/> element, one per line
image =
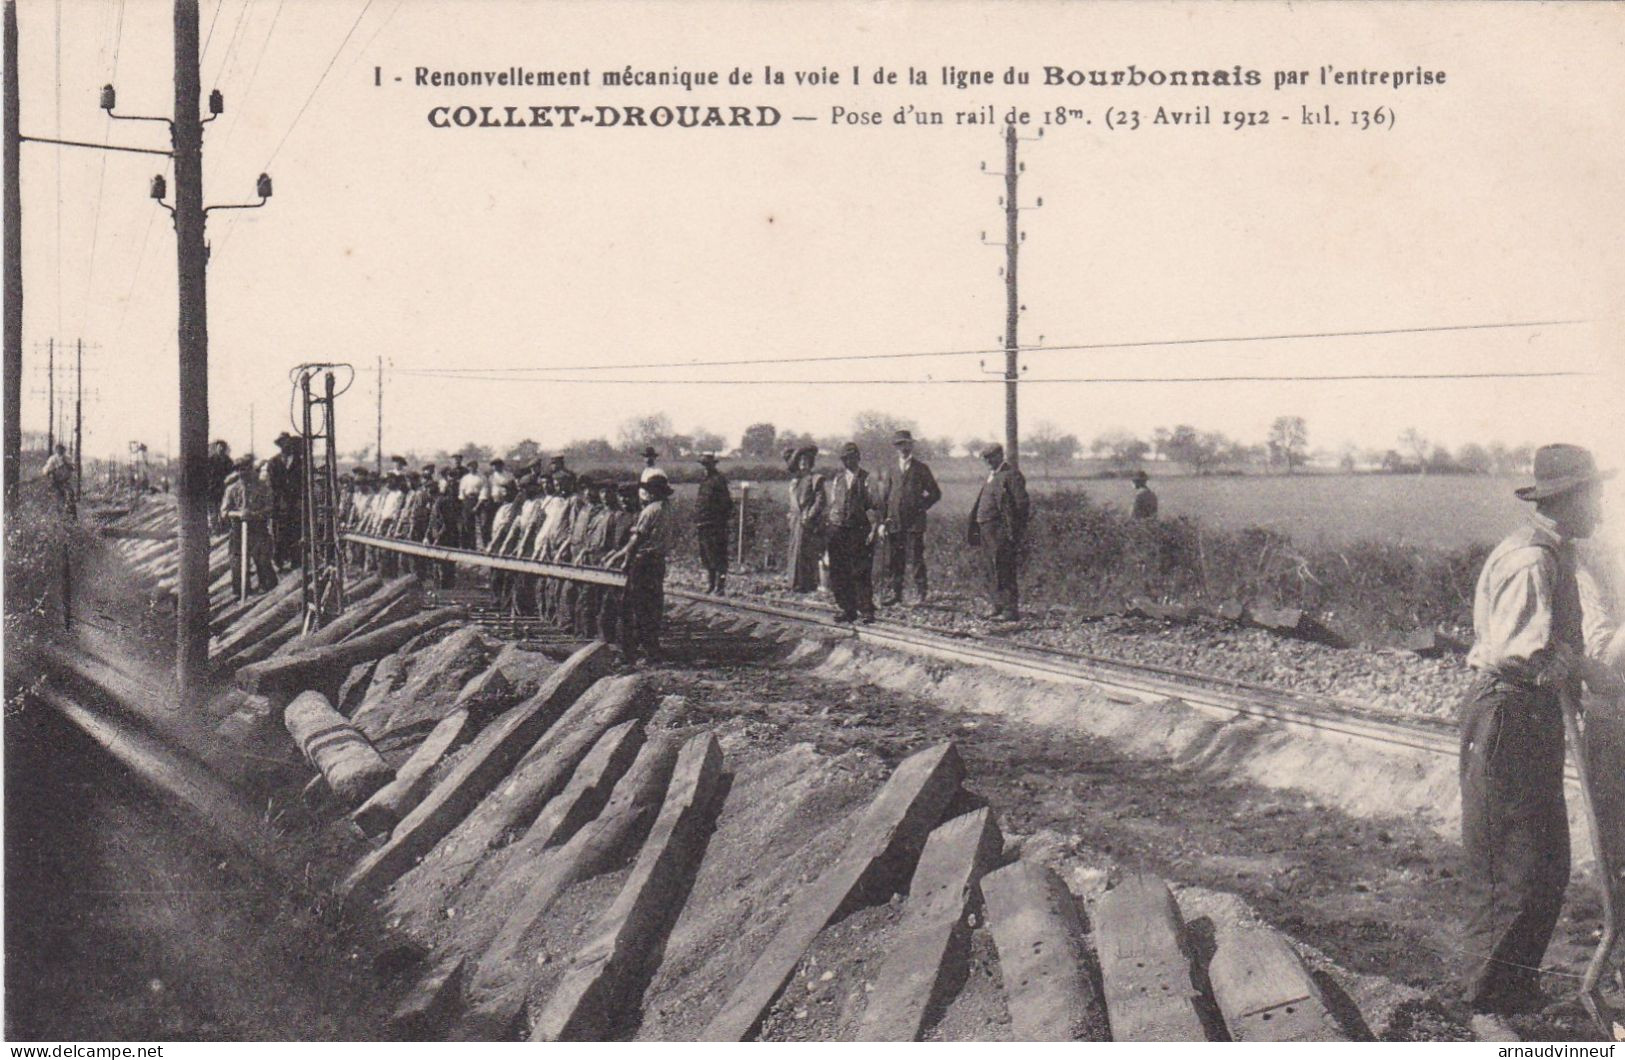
<point x="471" y="558"/>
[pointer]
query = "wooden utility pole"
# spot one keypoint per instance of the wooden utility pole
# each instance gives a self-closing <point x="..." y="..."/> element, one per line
<point x="191" y="256"/>
<point x="14" y="264"/>
<point x="78" y="417"/>
<point x="378" y="461"/>
<point x="1012" y="306"/>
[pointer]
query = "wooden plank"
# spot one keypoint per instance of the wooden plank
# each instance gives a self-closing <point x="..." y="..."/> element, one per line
<point x="884" y="846"/>
<point x="352" y="768"/>
<point x="239" y="611"/>
<point x="496" y="750"/>
<point x="268" y="645"/>
<point x="1144" y="964"/>
<point x="497" y="990"/>
<point x="323" y="669"/>
<point x="932" y="946"/>
<point x="599" y="991"/>
<point x="1039" y="934"/>
<point x="357" y="616"/>
<point x="254" y="628"/>
<point x="1265" y="992"/>
<point x="544" y="771"/>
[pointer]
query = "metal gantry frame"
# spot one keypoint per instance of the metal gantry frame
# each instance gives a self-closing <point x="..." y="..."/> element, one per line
<point x="322" y="566"/>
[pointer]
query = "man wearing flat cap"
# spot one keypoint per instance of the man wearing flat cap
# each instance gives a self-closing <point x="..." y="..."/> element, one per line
<point x="853" y="516"/>
<point x="1529" y="655"/>
<point x="907" y="492"/>
<point x="998" y="522"/>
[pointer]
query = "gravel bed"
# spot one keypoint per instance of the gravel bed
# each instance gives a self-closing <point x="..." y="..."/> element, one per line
<point x="1390" y="680"/>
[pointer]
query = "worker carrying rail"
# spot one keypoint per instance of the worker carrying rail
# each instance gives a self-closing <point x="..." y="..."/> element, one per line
<point x="1530" y="655"/>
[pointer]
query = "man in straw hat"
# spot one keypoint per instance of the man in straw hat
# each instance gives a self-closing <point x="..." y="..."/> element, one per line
<point x="644" y="559"/>
<point x="1529" y="653"/>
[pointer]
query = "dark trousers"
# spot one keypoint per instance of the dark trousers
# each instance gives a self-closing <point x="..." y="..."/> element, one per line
<point x="713" y="555"/>
<point x="287" y="534"/>
<point x="609" y="615"/>
<point x="999" y="569"/>
<point x="1514" y="828"/>
<point x="906" y="548"/>
<point x="644" y="604"/>
<point x="259" y="554"/>
<point x="851" y="570"/>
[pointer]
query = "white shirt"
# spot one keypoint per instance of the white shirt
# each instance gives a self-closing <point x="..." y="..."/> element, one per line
<point x="470" y="485"/>
<point x="650" y="472"/>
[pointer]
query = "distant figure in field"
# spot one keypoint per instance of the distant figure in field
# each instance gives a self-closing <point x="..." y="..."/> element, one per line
<point x="1145" y="502"/>
<point x="1530" y="654"/>
<point x="998" y="522"/>
<point x="650" y="469"/>
<point x="908" y="491"/>
<point x="59" y="472"/>
<point x="807" y="503"/>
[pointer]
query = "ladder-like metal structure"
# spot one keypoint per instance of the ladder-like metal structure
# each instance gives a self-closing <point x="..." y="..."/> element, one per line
<point x="322" y="570"/>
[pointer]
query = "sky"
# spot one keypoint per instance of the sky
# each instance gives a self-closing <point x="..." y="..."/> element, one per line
<point x="486" y="266"/>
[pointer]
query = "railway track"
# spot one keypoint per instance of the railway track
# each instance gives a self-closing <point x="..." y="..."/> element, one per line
<point x="1220" y="697"/>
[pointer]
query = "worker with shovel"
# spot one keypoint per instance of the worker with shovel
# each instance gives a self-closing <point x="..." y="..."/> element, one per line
<point x="1529" y="654"/>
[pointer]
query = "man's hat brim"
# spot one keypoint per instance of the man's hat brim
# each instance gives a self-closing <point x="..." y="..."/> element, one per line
<point x="1543" y="490"/>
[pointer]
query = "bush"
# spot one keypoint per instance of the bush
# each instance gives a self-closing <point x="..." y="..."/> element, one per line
<point x="1089" y="556"/>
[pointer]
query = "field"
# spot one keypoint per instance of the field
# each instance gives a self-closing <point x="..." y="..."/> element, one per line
<point x="1435" y="511"/>
<point x="1375" y="556"/>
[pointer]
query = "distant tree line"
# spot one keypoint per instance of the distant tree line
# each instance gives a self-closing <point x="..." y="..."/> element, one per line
<point x="1285" y="447"/>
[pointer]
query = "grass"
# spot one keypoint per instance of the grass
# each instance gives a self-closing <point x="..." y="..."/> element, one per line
<point x="1374" y="556"/>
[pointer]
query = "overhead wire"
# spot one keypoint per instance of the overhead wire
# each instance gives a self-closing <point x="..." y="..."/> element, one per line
<point x="240" y="102"/>
<point x="218" y="4"/>
<point x="320" y="80"/>
<point x="1034" y="348"/>
<point x="101" y="178"/>
<point x="998" y="380"/>
<point x="231" y="44"/>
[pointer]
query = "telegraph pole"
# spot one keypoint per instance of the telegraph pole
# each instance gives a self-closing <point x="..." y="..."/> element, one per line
<point x="378" y="461"/>
<point x="191" y="256"/>
<point x="78" y="418"/>
<point x="251" y="435"/>
<point x="1012" y="306"/>
<point x="14" y="263"/>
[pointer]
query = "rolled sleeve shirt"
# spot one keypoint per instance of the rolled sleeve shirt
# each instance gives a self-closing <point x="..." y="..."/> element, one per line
<point x="1526" y="603"/>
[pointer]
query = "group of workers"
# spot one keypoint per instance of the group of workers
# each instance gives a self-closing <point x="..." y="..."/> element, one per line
<point x="839" y="518"/>
<point x="257" y="505"/>
<point x="549" y="515"/>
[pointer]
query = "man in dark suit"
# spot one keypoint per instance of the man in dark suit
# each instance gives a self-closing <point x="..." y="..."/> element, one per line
<point x="998" y="522"/>
<point x="852" y="514"/>
<point x="909" y="490"/>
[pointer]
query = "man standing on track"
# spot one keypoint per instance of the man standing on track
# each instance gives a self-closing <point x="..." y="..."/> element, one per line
<point x="644" y="559"/>
<point x="854" y="516"/>
<point x="650" y="455"/>
<point x="713" y="510"/>
<point x="909" y="491"/>
<point x="220" y="468"/>
<point x="1529" y="654"/>
<point x="998" y="522"/>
